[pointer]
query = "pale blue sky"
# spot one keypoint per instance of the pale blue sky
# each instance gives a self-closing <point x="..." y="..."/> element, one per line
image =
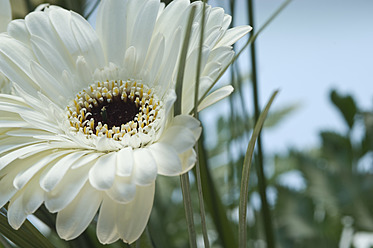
<point x="312" y="47"/>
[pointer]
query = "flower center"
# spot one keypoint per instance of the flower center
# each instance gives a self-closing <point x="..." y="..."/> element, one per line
<point x="114" y="109"/>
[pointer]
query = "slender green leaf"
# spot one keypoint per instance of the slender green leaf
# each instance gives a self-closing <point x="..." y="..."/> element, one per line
<point x="216" y="208"/>
<point x="184" y="179"/>
<point x="196" y="94"/>
<point x="182" y="61"/>
<point x="27" y="236"/>
<point x="246" y="173"/>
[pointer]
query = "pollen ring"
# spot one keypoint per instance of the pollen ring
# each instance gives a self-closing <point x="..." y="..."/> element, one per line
<point x="113" y="109"/>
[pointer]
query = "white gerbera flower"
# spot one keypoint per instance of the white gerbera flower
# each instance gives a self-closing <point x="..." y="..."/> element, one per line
<point x="5" y="18"/>
<point x="90" y="125"/>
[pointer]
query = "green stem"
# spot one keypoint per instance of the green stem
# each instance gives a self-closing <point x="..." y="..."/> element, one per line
<point x="185" y="187"/>
<point x="196" y="95"/>
<point x="268" y="223"/>
<point x="184" y="179"/>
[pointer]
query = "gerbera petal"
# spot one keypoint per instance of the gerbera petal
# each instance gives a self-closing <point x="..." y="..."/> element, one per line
<point x="10" y="157"/>
<point x="124" y="162"/>
<point x="52" y="60"/>
<point x="190" y="122"/>
<point x="54" y="175"/>
<point x="44" y="159"/>
<point x="87" y="39"/>
<point x="7" y="190"/>
<point x="145" y="167"/>
<point x="102" y="174"/>
<point x="67" y="189"/>
<point x="61" y="21"/>
<point x="215" y="17"/>
<point x="112" y="30"/>
<point x="15" y="62"/>
<point x="215" y="96"/>
<point x="234" y="34"/>
<point x="18" y="30"/>
<point x="75" y="218"/>
<point x="176" y="133"/>
<point x="133" y="217"/>
<point x="188" y="159"/>
<point x="142" y="34"/>
<point x="106" y="225"/>
<point x="123" y="190"/>
<point x="167" y="159"/>
<point x="25" y="202"/>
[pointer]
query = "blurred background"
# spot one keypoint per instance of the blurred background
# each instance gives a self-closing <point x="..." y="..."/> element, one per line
<point x="316" y="150"/>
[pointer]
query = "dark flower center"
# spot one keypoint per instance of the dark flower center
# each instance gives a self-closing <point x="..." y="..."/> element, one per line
<point x="114" y="113"/>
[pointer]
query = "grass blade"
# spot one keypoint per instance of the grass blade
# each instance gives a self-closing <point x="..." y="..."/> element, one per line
<point x="27" y="236"/>
<point x="198" y="170"/>
<point x="246" y="174"/>
<point x="184" y="179"/>
<point x="214" y="204"/>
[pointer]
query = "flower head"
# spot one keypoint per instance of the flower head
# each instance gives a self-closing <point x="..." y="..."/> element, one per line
<point x="90" y="125"/>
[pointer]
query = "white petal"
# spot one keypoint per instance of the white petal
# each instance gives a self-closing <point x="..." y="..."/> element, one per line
<point x="16" y="213"/>
<point x="190" y="122"/>
<point x="61" y="21"/>
<point x="85" y="160"/>
<point x="111" y="29"/>
<point x="166" y="158"/>
<point x="7" y="190"/>
<point x="180" y="138"/>
<point x="52" y="60"/>
<point x="215" y="96"/>
<point x="122" y="191"/>
<point x="15" y="62"/>
<point x="102" y="174"/>
<point x="52" y="177"/>
<point x="232" y="35"/>
<point x="90" y="45"/>
<point x="67" y="189"/>
<point x="10" y="157"/>
<point x="48" y="84"/>
<point x="142" y="34"/>
<point x="18" y="30"/>
<point x="215" y="18"/>
<point x="188" y="160"/>
<point x="106" y="225"/>
<point x="25" y="202"/>
<point x="133" y="217"/>
<point x="75" y="218"/>
<point x="125" y="162"/>
<point x="145" y="168"/>
<point x="5" y="14"/>
<point x="44" y="159"/>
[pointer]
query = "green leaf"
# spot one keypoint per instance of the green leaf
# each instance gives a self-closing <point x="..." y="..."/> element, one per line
<point x="346" y="105"/>
<point x="246" y="173"/>
<point x="214" y="203"/>
<point x="27" y="236"/>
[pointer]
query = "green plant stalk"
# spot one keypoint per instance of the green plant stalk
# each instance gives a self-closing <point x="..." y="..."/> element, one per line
<point x="214" y="203"/>
<point x="196" y="94"/>
<point x="262" y="184"/>
<point x="184" y="179"/>
<point x="27" y="236"/>
<point x="246" y="174"/>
